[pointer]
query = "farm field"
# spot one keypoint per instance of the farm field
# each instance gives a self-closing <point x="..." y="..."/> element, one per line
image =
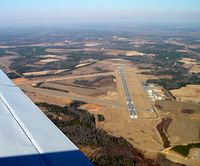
<point x="189" y="93"/>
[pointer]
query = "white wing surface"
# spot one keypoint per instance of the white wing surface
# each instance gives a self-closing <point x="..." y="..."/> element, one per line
<point x="27" y="136"/>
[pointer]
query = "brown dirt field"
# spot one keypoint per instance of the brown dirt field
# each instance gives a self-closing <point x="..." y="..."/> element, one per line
<point x="19" y="80"/>
<point x="168" y="106"/>
<point x="165" y="76"/>
<point x="181" y="122"/>
<point x="93" y="108"/>
<point x="40" y="97"/>
<point x="7" y="46"/>
<point x="46" y="61"/>
<point x="195" y="155"/>
<point x="188" y="61"/>
<point x="44" y="73"/>
<point x="123" y="52"/>
<point x="5" y="62"/>
<point x="91" y="44"/>
<point x="109" y="95"/>
<point x="195" y="69"/>
<point x="82" y="64"/>
<point x="58" y="57"/>
<point x="183" y="51"/>
<point x="134" y="53"/>
<point x="189" y="93"/>
<point x="178" y="128"/>
<point x="48" y="56"/>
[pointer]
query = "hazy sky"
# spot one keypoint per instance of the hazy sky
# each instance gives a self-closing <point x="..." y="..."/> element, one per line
<point x="16" y="12"/>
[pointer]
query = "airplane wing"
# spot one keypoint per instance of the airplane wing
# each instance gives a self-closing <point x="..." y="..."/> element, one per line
<point x="28" y="137"/>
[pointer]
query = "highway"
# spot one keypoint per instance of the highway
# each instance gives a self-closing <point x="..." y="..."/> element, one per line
<point x="130" y="104"/>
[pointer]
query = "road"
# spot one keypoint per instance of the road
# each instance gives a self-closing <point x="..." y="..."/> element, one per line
<point x="130" y="105"/>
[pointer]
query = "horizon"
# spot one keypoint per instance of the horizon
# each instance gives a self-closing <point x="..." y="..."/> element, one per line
<point x="53" y="13"/>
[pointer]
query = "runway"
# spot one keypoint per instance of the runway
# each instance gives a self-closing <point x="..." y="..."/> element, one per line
<point x="130" y="104"/>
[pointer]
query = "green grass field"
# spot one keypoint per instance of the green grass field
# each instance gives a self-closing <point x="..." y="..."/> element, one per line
<point x="185" y="149"/>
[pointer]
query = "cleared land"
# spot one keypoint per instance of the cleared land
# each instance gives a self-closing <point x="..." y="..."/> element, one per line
<point x="46" y="61"/>
<point x="173" y="107"/>
<point x="195" y="69"/>
<point x="178" y="128"/>
<point x="189" y="61"/>
<point x="44" y="73"/>
<point x="5" y="62"/>
<point x="189" y="93"/>
<point x="185" y="118"/>
<point x="123" y="52"/>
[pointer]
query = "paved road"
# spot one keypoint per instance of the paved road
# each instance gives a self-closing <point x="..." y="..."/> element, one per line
<point x="130" y="105"/>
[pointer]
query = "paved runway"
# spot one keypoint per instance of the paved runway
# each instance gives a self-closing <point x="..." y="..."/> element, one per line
<point x="130" y="105"/>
